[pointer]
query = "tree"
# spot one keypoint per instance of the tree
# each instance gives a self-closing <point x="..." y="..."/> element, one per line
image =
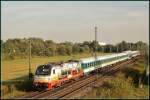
<point x="76" y="48"/>
<point x="19" y="47"/>
<point x="38" y="46"/>
<point x="142" y="47"/>
<point x="86" y="48"/>
<point x="50" y="48"/>
<point x="61" y="50"/>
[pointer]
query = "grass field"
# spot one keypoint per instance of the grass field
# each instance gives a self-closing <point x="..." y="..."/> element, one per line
<point x="125" y="84"/>
<point x="11" y="69"/>
<point x="122" y="86"/>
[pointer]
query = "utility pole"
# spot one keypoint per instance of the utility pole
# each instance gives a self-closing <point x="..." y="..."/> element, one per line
<point x="30" y="74"/>
<point x="95" y="42"/>
<point x="130" y="47"/>
<point x="117" y="48"/>
<point x="110" y="49"/>
<point x="101" y="49"/>
<point x="96" y="49"/>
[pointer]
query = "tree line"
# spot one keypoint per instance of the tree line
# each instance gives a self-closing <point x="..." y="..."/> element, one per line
<point x="13" y="48"/>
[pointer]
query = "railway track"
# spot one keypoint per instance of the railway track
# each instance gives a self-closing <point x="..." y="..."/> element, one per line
<point x="36" y="94"/>
<point x="98" y="81"/>
<point x="70" y="88"/>
<point x="85" y="88"/>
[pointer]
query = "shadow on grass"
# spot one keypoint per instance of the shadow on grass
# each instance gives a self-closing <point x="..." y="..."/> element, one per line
<point x="133" y="73"/>
<point x="21" y="84"/>
<point x="145" y="79"/>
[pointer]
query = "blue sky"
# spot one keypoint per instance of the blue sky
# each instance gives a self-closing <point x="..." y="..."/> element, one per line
<point x="75" y="20"/>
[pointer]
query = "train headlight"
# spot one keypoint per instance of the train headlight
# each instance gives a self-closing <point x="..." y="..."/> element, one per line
<point x="49" y="79"/>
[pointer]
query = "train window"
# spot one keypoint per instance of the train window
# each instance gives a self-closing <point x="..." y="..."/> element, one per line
<point x="88" y="64"/>
<point x="99" y="62"/>
<point x="53" y="71"/>
<point x="96" y="62"/>
<point x="82" y="65"/>
<point x="85" y="65"/>
<point x="43" y="70"/>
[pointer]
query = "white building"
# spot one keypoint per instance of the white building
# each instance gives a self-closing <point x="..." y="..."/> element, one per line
<point x="102" y="43"/>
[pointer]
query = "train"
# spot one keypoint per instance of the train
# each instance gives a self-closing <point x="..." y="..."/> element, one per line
<point x="51" y="75"/>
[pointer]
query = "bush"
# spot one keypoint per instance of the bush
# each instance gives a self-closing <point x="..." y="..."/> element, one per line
<point x="4" y="89"/>
<point x="117" y="87"/>
<point x="11" y="89"/>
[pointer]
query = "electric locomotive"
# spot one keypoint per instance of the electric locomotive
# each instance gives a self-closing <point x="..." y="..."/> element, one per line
<point x="49" y="76"/>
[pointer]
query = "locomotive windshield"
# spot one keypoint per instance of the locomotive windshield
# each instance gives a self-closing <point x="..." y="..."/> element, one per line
<point x="44" y="70"/>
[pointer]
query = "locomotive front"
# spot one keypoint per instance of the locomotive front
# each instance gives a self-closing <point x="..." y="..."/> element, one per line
<point x="42" y="78"/>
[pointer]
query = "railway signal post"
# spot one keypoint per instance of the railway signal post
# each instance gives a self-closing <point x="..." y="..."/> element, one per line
<point x="96" y="48"/>
<point x="30" y="74"/>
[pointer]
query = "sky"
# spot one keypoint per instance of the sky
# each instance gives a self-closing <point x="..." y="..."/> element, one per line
<point x="74" y="21"/>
